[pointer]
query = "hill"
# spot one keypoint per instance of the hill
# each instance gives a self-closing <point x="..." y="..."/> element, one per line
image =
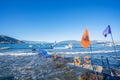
<point x="34" y="42"/>
<point x="70" y="41"/>
<point x="8" y="40"/>
<point x="78" y="42"/>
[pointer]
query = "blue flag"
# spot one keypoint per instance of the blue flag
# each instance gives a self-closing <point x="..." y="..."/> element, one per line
<point x="107" y="31"/>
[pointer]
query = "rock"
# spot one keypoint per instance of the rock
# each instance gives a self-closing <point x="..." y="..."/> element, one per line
<point x="56" y="78"/>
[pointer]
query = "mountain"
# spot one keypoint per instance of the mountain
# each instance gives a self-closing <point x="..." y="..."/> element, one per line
<point x="8" y="40"/>
<point x="34" y="42"/>
<point x="78" y="42"/>
<point x="70" y="41"/>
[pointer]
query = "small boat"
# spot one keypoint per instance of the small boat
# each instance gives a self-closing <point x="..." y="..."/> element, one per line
<point x="53" y="45"/>
<point x="109" y="44"/>
<point x="30" y="46"/>
<point x="4" y="48"/>
<point x="117" y="44"/>
<point x="69" y="46"/>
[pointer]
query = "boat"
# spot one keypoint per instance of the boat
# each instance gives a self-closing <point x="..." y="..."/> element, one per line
<point x="30" y="46"/>
<point x="109" y="44"/>
<point x="69" y="46"/>
<point x="53" y="45"/>
<point x="4" y="48"/>
<point x="117" y="44"/>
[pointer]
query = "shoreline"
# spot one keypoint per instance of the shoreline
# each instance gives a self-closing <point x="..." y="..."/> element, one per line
<point x="34" y="67"/>
<point x="60" y="52"/>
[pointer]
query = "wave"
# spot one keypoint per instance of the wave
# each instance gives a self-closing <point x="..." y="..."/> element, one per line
<point x="89" y="52"/>
<point x="20" y="53"/>
<point x="17" y="54"/>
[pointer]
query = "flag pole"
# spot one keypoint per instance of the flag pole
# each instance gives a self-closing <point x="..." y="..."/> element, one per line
<point x="109" y="67"/>
<point x="113" y="44"/>
<point x="108" y="31"/>
<point x="85" y="42"/>
<point x="92" y="65"/>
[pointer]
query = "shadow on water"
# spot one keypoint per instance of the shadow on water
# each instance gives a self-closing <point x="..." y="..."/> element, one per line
<point x="7" y="78"/>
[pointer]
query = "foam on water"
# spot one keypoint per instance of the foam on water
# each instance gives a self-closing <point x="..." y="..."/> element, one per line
<point x="88" y="52"/>
<point x="17" y="54"/>
<point x="20" y="53"/>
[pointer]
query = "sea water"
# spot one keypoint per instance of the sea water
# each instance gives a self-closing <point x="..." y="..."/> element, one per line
<point x="22" y="55"/>
<point x="96" y="50"/>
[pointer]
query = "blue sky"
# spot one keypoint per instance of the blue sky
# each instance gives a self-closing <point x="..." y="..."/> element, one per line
<point x="50" y="20"/>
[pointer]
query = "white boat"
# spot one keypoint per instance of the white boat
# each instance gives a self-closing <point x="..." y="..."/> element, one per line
<point x="53" y="45"/>
<point x="4" y="48"/>
<point x="30" y="46"/>
<point x="109" y="44"/>
<point x="117" y="44"/>
<point x="69" y="46"/>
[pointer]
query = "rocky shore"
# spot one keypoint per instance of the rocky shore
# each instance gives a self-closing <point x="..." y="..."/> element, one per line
<point x="37" y="67"/>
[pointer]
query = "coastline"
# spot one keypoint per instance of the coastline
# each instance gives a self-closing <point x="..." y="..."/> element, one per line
<point x="33" y="67"/>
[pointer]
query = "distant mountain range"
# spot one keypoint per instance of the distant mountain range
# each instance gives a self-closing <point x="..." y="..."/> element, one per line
<point x="9" y="40"/>
<point x="78" y="42"/>
<point x="65" y="42"/>
<point x="70" y="41"/>
<point x="34" y="42"/>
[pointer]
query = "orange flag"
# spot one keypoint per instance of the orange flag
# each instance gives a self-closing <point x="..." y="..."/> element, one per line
<point x="85" y="42"/>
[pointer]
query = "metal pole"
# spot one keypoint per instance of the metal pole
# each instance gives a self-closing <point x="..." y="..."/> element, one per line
<point x="102" y="65"/>
<point x="109" y="67"/>
<point x="92" y="65"/>
<point x="113" y="45"/>
<point x="91" y="51"/>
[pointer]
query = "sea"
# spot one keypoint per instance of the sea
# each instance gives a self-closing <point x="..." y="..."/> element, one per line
<point x="95" y="50"/>
<point x="98" y="53"/>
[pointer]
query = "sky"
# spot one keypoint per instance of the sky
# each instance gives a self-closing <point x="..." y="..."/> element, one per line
<point x="58" y="20"/>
